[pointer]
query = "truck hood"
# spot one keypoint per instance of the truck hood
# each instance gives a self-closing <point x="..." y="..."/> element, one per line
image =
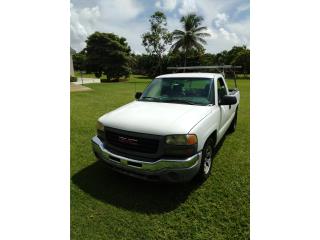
<point x="155" y="118"/>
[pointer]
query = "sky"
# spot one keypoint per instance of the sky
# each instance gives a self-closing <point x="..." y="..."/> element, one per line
<point x="228" y="21"/>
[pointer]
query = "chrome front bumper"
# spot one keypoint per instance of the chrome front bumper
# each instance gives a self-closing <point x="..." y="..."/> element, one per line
<point x="174" y="170"/>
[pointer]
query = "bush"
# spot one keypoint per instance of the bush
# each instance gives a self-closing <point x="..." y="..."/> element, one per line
<point x="73" y="79"/>
<point x="104" y="80"/>
<point x="124" y="79"/>
<point x="113" y="80"/>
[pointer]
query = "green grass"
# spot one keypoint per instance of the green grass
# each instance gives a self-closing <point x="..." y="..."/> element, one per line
<point x="107" y="205"/>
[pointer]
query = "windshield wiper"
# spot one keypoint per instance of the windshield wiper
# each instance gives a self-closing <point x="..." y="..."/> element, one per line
<point x="151" y="98"/>
<point x="179" y="101"/>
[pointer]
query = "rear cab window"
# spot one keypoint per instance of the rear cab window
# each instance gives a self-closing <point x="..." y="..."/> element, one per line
<point x="222" y="90"/>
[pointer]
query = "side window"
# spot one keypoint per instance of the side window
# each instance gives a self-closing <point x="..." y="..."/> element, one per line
<point x="222" y="91"/>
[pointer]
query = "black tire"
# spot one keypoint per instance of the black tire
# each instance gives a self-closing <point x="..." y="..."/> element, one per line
<point x="233" y="124"/>
<point x="207" y="154"/>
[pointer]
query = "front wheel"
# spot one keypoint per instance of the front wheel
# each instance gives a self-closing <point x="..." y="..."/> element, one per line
<point x="206" y="161"/>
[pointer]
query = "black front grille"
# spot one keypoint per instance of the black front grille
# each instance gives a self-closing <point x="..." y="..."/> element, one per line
<point x="124" y="141"/>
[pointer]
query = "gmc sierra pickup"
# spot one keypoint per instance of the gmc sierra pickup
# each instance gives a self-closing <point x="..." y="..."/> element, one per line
<point x="170" y="131"/>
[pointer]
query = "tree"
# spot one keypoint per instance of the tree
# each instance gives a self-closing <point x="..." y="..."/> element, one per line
<point x="242" y="58"/>
<point x="191" y="37"/>
<point x="108" y="54"/>
<point x="146" y="64"/>
<point x="238" y="55"/>
<point x="158" y="38"/>
<point x="79" y="60"/>
<point x="208" y="59"/>
<point x="222" y="58"/>
<point x="231" y="54"/>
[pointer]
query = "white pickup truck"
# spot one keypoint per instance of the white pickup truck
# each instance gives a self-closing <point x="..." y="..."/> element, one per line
<point x="170" y="131"/>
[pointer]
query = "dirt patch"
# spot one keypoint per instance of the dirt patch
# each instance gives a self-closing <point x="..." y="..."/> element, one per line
<point x="78" y="88"/>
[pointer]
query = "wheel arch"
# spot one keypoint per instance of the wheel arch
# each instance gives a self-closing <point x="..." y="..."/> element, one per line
<point x="213" y="136"/>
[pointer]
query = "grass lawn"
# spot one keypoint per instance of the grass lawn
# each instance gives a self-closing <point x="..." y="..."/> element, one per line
<point x="107" y="205"/>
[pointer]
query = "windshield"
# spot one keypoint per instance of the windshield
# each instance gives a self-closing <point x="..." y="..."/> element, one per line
<point x="195" y="91"/>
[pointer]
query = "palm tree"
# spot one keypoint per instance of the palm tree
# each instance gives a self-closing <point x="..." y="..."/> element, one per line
<point x="192" y="35"/>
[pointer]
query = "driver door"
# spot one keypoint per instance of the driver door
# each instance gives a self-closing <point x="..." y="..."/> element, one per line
<point x="224" y="110"/>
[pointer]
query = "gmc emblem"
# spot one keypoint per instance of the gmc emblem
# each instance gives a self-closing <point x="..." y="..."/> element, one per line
<point x="130" y="141"/>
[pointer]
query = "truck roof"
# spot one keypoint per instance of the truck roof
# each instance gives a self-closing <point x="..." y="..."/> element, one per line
<point x="193" y="74"/>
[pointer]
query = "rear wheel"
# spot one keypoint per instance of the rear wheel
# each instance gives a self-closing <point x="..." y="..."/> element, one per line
<point x="206" y="160"/>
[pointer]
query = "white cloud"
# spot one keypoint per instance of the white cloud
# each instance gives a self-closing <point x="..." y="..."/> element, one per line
<point x="213" y="34"/>
<point x="120" y="10"/>
<point x="107" y="16"/>
<point x="242" y="29"/>
<point x="187" y="6"/>
<point x="129" y="18"/>
<point x="229" y="35"/>
<point x="131" y="30"/>
<point x="173" y="23"/>
<point x="216" y="13"/>
<point x="82" y="23"/>
<point x="167" y="5"/>
<point x="229" y="32"/>
<point x="158" y="4"/>
<point x="225" y="32"/>
<point x="221" y="19"/>
<point x="243" y="7"/>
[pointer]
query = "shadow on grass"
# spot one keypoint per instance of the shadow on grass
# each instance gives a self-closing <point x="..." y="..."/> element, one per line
<point x="130" y="193"/>
<point x="133" y="194"/>
<point x="138" y="82"/>
<point x="143" y="77"/>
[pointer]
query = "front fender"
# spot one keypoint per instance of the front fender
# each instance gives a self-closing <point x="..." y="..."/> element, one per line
<point x="206" y="127"/>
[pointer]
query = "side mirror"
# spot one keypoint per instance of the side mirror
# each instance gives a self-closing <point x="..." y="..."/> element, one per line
<point x="138" y="95"/>
<point x="228" y="100"/>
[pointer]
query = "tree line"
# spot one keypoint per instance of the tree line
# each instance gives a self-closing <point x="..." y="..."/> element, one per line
<point x="110" y="55"/>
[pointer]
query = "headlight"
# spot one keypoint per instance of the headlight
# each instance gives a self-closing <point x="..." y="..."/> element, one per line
<point x="100" y="126"/>
<point x="182" y="139"/>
